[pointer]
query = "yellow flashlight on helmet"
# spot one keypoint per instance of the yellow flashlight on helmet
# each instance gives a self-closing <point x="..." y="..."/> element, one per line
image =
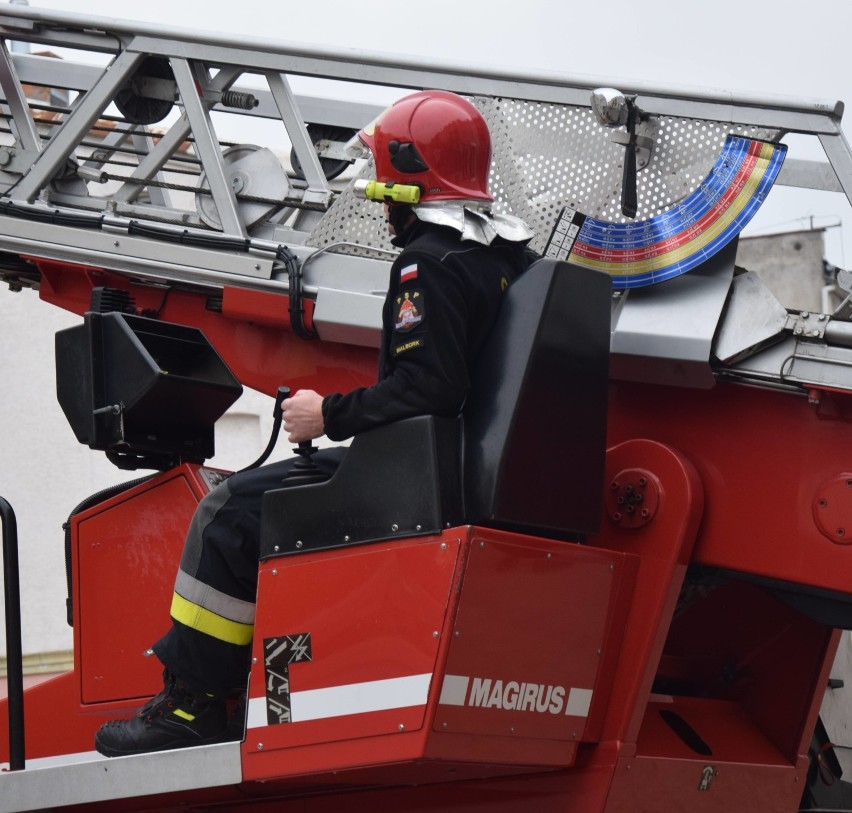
<point x="387" y="192"/>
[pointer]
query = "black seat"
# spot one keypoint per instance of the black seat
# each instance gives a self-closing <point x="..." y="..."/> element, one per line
<point x="527" y="454"/>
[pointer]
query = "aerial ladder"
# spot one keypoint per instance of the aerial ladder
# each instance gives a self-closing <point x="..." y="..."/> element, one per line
<point x="623" y="585"/>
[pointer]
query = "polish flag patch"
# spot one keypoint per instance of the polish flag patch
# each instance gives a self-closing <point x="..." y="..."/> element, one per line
<point x="408" y="273"/>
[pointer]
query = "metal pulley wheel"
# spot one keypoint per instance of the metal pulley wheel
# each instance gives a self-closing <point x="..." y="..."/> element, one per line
<point x="253" y="172"/>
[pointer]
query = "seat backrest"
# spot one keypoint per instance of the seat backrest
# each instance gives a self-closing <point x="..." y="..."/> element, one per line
<point x="534" y="437"/>
<point x="535" y="421"/>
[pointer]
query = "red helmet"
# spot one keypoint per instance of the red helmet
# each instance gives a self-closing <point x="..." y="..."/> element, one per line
<point x="434" y="139"/>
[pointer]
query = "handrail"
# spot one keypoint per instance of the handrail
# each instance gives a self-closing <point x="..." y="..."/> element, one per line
<point x="14" y="656"/>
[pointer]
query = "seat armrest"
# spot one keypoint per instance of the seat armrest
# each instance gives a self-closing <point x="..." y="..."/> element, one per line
<point x="398" y="480"/>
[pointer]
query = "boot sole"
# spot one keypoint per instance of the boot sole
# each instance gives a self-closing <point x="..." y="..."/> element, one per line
<point x="109" y="751"/>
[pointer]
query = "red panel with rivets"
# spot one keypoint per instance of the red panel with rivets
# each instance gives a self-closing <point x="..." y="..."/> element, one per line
<point x="774" y="468"/>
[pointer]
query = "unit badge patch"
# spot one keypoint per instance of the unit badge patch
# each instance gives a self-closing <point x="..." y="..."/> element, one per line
<point x="410" y="310"/>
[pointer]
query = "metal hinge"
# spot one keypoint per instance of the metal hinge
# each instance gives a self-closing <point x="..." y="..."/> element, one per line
<point x="807" y="325"/>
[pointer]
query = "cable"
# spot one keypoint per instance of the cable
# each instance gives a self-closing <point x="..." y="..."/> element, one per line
<point x="294" y="277"/>
<point x="277" y="417"/>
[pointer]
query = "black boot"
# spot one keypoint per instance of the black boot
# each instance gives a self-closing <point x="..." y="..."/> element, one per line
<point x="177" y="717"/>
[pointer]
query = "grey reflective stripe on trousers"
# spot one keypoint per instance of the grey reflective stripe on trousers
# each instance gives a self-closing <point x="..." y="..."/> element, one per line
<point x="203" y="516"/>
<point x="203" y="595"/>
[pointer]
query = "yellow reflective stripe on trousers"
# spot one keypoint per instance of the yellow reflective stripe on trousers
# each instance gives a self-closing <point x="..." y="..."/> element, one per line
<point x="191" y="615"/>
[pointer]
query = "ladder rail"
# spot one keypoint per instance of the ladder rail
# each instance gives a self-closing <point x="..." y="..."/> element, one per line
<point x="218" y="63"/>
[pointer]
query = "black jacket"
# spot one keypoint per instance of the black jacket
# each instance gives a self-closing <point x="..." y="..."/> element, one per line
<point x="443" y="296"/>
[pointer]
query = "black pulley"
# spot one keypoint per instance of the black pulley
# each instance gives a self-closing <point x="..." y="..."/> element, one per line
<point x="331" y="167"/>
<point x="142" y="100"/>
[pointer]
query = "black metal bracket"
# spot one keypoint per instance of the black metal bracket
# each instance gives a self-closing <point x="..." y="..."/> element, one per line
<point x="14" y="653"/>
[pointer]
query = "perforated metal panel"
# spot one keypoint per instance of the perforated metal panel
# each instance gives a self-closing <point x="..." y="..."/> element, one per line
<point x="547" y="156"/>
<point x="351" y="220"/>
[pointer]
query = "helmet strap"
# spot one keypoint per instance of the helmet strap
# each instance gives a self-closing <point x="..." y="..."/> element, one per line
<point x="400" y="218"/>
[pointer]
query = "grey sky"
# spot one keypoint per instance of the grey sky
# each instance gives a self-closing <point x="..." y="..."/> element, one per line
<point x="730" y="45"/>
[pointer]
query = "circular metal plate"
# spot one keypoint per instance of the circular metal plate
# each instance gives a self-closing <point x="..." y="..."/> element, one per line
<point x="832" y="509"/>
<point x="253" y="172"/>
<point x="633" y="498"/>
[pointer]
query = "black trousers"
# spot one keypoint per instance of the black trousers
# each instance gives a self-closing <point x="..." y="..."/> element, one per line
<point x="209" y="644"/>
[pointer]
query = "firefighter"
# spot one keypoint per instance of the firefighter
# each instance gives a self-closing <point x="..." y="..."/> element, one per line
<point x="432" y="153"/>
